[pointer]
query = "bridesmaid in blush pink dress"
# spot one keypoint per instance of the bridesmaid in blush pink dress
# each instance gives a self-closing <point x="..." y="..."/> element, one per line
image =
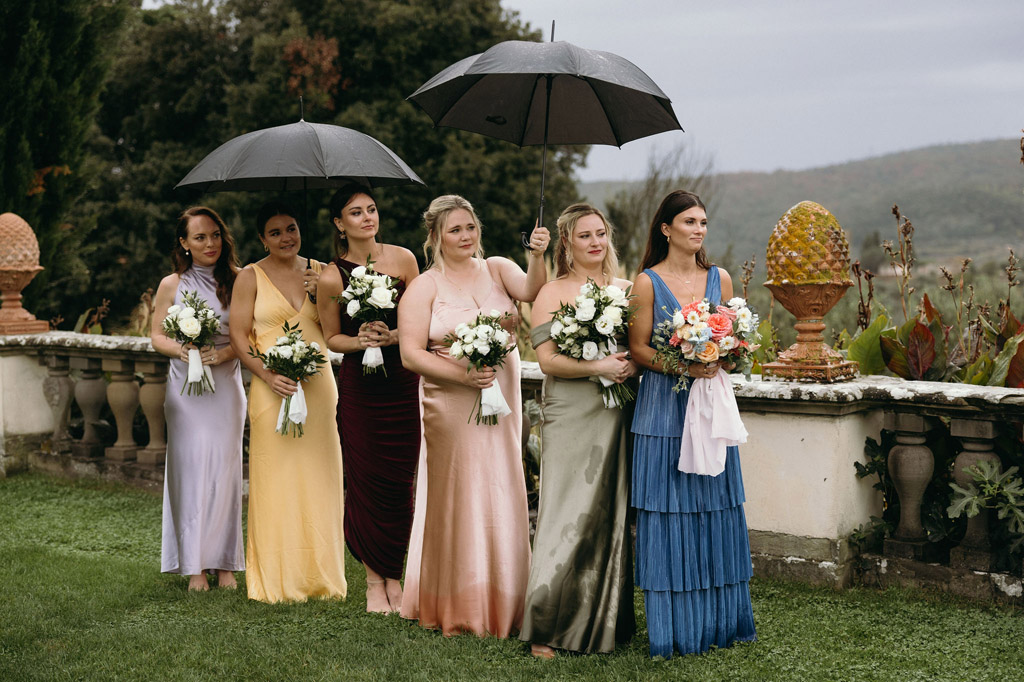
<point x="474" y="563"/>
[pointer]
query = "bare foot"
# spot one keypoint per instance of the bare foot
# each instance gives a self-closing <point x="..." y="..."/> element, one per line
<point x="394" y="589"/>
<point x="542" y="651"/>
<point x="197" y="583"/>
<point x="226" y="579"/>
<point x="376" y="597"/>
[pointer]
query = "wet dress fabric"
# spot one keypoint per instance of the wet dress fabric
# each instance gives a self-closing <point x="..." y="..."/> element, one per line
<point x="379" y="424"/>
<point x="202" y="516"/>
<point x="471" y="573"/>
<point x="296" y="545"/>
<point x="692" y="550"/>
<point x="580" y="592"/>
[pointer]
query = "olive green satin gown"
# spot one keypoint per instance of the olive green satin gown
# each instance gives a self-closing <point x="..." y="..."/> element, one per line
<point x="580" y="593"/>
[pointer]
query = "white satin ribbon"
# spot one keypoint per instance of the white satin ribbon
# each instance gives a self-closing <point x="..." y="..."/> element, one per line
<point x="492" y="402"/>
<point x="196" y="369"/>
<point x="293" y="407"/>
<point x="373" y="357"/>
<point x="712" y="423"/>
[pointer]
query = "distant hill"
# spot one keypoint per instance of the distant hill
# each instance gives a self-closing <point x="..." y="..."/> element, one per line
<point x="963" y="199"/>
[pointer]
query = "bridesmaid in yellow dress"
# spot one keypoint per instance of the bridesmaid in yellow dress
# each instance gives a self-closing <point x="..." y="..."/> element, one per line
<point x="475" y="557"/>
<point x="296" y="544"/>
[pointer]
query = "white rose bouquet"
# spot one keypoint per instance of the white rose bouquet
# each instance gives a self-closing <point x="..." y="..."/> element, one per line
<point x="292" y="357"/>
<point x="368" y="298"/>
<point x="485" y="343"/>
<point x="704" y="332"/>
<point x="589" y="330"/>
<point x="193" y="322"/>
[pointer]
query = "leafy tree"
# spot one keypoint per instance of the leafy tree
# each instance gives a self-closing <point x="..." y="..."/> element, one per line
<point x="57" y="54"/>
<point x="191" y="75"/>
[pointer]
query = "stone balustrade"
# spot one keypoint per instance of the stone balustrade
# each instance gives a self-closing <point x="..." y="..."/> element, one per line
<point x="803" y="498"/>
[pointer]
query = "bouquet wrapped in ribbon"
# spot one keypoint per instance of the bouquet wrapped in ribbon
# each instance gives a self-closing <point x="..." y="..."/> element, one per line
<point x="368" y="298"/>
<point x="193" y="322"/>
<point x="485" y="343"/>
<point x="292" y="357"/>
<point x="589" y="330"/>
<point x="704" y="332"/>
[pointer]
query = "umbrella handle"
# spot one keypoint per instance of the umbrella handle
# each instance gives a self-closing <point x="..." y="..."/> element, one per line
<point x="310" y="294"/>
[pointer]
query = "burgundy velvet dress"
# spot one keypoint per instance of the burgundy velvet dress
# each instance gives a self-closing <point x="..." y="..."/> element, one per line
<point x="379" y="424"/>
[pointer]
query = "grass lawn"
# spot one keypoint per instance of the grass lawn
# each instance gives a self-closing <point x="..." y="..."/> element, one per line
<point x="82" y="598"/>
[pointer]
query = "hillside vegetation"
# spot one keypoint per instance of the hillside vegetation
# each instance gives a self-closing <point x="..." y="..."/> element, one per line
<point x="963" y="199"/>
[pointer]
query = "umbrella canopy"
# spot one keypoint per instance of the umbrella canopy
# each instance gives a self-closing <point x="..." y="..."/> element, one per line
<point x="299" y="156"/>
<point x="595" y="97"/>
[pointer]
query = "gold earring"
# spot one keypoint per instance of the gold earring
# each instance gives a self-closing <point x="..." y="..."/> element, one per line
<point x="266" y="248"/>
<point x="668" y="238"/>
<point x="342" y="235"/>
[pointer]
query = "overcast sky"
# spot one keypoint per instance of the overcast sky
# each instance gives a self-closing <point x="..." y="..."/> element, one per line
<point x="793" y="84"/>
<point x="768" y="84"/>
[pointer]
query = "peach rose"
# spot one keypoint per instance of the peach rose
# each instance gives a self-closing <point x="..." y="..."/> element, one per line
<point x="709" y="354"/>
<point x="721" y="326"/>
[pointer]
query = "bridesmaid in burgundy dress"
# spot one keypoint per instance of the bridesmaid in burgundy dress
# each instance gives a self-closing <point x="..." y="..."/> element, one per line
<point x="378" y="413"/>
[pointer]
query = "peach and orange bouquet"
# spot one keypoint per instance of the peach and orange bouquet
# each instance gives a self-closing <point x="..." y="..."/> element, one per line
<point x="705" y="332"/>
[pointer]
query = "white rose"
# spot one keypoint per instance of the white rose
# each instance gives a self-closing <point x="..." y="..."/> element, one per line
<point x="468" y="337"/>
<point x="613" y="313"/>
<point x="173" y="310"/>
<point x="590" y="351"/>
<point x="678" y="320"/>
<point x="352" y="308"/>
<point x="587" y="289"/>
<point x="736" y="302"/>
<point x="379" y="281"/>
<point x="604" y="326"/>
<point x="207" y="313"/>
<point x="613" y="292"/>
<point x="501" y="337"/>
<point x="495" y="313"/>
<point x="456" y="350"/>
<point x="186" y="313"/>
<point x="461" y="329"/>
<point x="190" y="327"/>
<point x="315" y="346"/>
<point x="556" y="328"/>
<point x="272" y="352"/>
<point x="572" y="328"/>
<point x="381" y="298"/>
<point x="485" y="331"/>
<point x="299" y="346"/>
<point x="359" y="271"/>
<point x="284" y="352"/>
<point x="281" y="340"/>
<point x="347" y="295"/>
<point x="482" y="347"/>
<point x="585" y="311"/>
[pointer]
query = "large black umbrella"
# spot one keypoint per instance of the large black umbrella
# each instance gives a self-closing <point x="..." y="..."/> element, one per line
<point x="299" y="156"/>
<point x="538" y="93"/>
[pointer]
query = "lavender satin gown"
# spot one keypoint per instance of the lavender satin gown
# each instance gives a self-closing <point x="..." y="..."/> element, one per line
<point x="202" y="525"/>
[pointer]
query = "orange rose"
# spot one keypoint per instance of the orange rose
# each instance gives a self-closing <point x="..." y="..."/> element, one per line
<point x="709" y="354"/>
<point x="721" y="326"/>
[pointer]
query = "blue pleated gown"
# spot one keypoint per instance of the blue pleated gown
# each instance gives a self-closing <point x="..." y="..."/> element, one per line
<point x="692" y="550"/>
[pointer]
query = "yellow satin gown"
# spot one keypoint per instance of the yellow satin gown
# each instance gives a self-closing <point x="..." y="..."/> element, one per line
<point x="296" y="543"/>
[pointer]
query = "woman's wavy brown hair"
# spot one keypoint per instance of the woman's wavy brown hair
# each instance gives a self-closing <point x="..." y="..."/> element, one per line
<point x="226" y="268"/>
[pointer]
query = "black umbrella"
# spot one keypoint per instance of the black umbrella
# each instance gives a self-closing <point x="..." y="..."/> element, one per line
<point x="538" y="93"/>
<point x="299" y="156"/>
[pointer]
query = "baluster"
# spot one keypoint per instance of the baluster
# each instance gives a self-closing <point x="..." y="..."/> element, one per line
<point x="151" y="396"/>
<point x="911" y="464"/>
<point x="123" y="396"/>
<point x="90" y="394"/>
<point x="977" y="437"/>
<point x="58" y="389"/>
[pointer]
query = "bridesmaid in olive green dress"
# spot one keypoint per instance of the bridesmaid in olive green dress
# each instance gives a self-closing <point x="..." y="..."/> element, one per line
<point x="580" y="594"/>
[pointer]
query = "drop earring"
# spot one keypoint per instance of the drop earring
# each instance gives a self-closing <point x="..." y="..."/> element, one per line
<point x="266" y="248"/>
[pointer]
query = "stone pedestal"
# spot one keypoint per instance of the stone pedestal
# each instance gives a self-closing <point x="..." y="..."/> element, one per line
<point x="977" y="436"/>
<point x="911" y="464"/>
<point x="151" y="397"/>
<point x="123" y="396"/>
<point x="90" y="393"/>
<point x="58" y="389"/>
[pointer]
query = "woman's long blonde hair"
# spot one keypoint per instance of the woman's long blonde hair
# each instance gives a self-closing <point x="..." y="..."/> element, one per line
<point x="435" y="219"/>
<point x="563" y="247"/>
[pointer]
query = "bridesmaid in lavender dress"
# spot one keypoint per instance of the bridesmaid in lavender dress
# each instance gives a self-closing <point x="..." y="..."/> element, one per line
<point x="202" y="526"/>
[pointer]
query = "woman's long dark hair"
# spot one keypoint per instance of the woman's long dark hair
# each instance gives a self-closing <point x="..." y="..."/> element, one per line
<point x="226" y="268"/>
<point x="339" y="201"/>
<point x="657" y="243"/>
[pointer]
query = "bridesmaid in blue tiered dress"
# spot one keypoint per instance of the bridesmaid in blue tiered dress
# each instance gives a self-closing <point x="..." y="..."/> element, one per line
<point x="692" y="552"/>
